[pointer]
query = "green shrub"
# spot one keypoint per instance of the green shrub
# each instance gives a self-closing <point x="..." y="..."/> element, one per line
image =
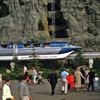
<point x="96" y="66"/>
<point x="5" y="75"/>
<point x="46" y="72"/>
<point x="58" y="72"/>
<point x="12" y="76"/>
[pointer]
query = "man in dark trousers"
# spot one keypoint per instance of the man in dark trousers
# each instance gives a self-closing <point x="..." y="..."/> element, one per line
<point x="52" y="78"/>
<point x="91" y="79"/>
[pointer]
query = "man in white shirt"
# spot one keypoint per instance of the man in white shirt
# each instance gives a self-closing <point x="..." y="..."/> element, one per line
<point x="25" y="69"/>
<point x="6" y="91"/>
<point x="64" y="75"/>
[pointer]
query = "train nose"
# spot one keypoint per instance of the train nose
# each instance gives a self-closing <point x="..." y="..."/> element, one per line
<point x="78" y="48"/>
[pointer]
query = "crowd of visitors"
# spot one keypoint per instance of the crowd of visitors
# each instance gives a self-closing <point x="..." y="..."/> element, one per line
<point x="70" y="81"/>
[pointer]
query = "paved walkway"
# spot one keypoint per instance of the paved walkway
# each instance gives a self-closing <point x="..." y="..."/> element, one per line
<point x="42" y="92"/>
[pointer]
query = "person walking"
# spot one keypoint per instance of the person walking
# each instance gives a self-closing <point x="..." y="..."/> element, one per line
<point x="78" y="76"/>
<point x="25" y="69"/>
<point x="87" y="77"/>
<point x="64" y="75"/>
<point x="52" y="78"/>
<point x="6" y="91"/>
<point x="96" y="79"/>
<point x="68" y="81"/>
<point x="0" y="81"/>
<point x="23" y="90"/>
<point x="82" y="79"/>
<point x="91" y="79"/>
<point x="71" y="81"/>
<point x="34" y="75"/>
<point x="26" y="74"/>
<point x="40" y="79"/>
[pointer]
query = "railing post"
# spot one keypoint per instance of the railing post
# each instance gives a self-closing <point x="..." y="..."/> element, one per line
<point x="90" y="62"/>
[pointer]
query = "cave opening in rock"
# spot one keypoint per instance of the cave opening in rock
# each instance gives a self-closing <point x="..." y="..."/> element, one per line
<point x="4" y="9"/>
<point x="21" y="2"/>
<point x="54" y="5"/>
<point x="58" y="21"/>
<point x="58" y="34"/>
<point x="40" y="26"/>
<point x="49" y="21"/>
<point x="61" y="34"/>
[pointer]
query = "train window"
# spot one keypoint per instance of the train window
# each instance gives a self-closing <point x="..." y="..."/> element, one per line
<point x="36" y="45"/>
<point x="58" y="44"/>
<point x="26" y="45"/>
<point x="46" y="45"/>
<point x="4" y="46"/>
<point x="20" y="45"/>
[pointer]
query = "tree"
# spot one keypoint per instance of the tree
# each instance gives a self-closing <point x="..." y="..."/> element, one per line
<point x="34" y="62"/>
<point x="96" y="66"/>
<point x="79" y="59"/>
<point x="18" y="66"/>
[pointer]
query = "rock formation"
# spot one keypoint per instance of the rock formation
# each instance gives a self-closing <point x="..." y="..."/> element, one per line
<point x="76" y="21"/>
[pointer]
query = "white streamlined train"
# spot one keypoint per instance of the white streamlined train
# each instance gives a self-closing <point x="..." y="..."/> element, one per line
<point x="50" y="50"/>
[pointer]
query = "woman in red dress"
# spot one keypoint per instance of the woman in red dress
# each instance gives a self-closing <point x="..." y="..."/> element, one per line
<point x="71" y="81"/>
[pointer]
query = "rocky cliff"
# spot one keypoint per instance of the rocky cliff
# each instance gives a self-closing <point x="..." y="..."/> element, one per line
<point x="22" y="20"/>
<point x="76" y="21"/>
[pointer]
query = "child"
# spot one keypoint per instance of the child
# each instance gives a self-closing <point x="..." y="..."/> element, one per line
<point x="40" y="79"/>
<point x="72" y="81"/>
<point x="68" y="81"/>
<point x="96" y="79"/>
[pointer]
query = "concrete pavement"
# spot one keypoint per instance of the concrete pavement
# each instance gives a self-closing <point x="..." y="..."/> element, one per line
<point x="42" y="92"/>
